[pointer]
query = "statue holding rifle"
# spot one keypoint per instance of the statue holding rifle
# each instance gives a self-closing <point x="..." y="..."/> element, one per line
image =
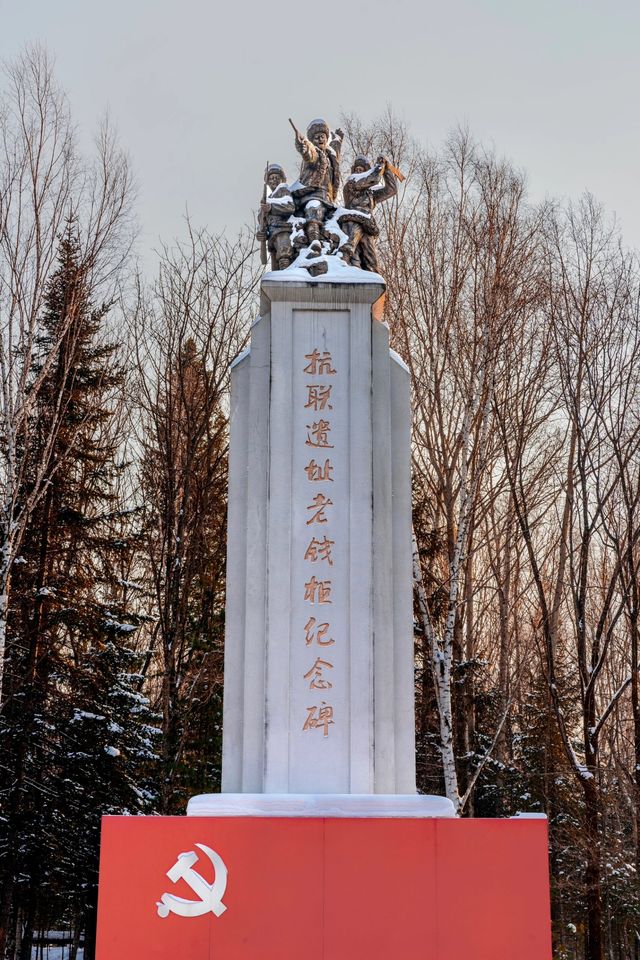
<point x="309" y="221"/>
<point x="276" y="209"/>
<point x="318" y="184"/>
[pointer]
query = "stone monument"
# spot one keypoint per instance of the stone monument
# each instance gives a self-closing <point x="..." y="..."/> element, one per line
<point x="318" y="844"/>
<point x="319" y="643"/>
<point x="318" y="695"/>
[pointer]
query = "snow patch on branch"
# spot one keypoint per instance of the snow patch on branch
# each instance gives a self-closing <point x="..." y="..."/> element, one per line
<point x="85" y="715"/>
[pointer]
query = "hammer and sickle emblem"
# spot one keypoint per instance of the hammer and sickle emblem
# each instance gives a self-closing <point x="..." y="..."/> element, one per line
<point x="210" y="894"/>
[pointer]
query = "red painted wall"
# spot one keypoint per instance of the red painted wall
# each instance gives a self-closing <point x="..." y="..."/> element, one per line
<point x="329" y="889"/>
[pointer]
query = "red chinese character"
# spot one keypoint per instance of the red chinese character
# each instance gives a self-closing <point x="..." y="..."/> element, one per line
<point x="316" y="632"/>
<point x="318" y="363"/>
<point x="316" y="680"/>
<point x="319" y="504"/>
<point x="318" y="396"/>
<point x="321" y="717"/>
<point x="321" y="588"/>
<point x="320" y="550"/>
<point x="320" y="433"/>
<point x="314" y="471"/>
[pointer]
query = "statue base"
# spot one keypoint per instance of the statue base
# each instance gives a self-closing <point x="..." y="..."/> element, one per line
<point x="319" y="805"/>
<point x="323" y="887"/>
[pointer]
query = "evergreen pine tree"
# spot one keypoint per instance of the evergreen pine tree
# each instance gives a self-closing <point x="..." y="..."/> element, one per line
<point x="67" y="649"/>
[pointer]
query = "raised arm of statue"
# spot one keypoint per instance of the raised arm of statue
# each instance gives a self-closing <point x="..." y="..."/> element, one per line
<point x="336" y="143"/>
<point x="359" y="184"/>
<point x="306" y="149"/>
<point x="387" y="189"/>
<point x="363" y="181"/>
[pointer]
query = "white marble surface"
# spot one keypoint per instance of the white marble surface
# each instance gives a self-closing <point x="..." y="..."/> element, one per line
<point x="318" y="805"/>
<point x="282" y="665"/>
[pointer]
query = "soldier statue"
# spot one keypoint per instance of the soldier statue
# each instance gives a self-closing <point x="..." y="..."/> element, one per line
<point x="363" y="190"/>
<point x="318" y="184"/>
<point x="275" y="213"/>
<point x="305" y="223"/>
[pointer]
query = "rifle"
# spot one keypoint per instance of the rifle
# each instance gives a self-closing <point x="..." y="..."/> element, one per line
<point x="295" y="130"/>
<point x="263" y="219"/>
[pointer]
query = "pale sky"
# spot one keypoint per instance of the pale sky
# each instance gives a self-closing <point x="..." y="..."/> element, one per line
<point x="200" y="91"/>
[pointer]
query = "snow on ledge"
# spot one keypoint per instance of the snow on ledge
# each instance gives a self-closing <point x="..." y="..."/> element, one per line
<point x="240" y="357"/>
<point x="529" y="816"/>
<point x="318" y="805"/>
<point x="398" y="359"/>
<point x="338" y="272"/>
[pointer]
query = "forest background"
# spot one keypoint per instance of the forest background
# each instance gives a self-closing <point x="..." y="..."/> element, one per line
<point x="520" y="323"/>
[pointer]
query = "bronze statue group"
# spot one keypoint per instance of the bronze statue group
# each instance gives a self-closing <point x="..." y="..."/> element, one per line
<point x="304" y="221"/>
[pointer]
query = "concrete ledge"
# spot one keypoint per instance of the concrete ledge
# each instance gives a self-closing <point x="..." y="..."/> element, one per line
<point x="318" y="805"/>
<point x="326" y="295"/>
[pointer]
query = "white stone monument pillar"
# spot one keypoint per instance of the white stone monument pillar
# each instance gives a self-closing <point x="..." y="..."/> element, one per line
<point x="318" y="695"/>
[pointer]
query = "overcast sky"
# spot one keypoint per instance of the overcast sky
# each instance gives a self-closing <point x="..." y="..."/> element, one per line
<point x="200" y="90"/>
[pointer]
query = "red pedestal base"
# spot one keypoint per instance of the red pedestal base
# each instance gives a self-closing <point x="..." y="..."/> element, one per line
<point x="326" y="889"/>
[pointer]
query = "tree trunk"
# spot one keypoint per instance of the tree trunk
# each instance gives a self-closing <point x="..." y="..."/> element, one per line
<point x="75" y="942"/>
<point x="594" y="948"/>
<point x="6" y="552"/>
<point x="635" y="706"/>
<point x="90" y="922"/>
<point x="24" y="948"/>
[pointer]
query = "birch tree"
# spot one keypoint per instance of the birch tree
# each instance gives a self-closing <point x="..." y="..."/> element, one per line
<point x="468" y="273"/>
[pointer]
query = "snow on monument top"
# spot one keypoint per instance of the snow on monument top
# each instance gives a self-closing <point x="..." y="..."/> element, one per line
<point x="315" y="228"/>
<point x="337" y="271"/>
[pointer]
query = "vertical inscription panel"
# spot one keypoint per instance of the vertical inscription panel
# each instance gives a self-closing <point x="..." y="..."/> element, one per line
<point x="319" y="708"/>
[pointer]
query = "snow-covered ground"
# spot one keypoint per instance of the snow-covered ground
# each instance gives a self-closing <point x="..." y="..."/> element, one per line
<point x="54" y="953"/>
<point x="53" y="950"/>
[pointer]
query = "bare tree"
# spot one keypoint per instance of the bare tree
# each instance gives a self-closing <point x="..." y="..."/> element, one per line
<point x="577" y="546"/>
<point x="469" y="272"/>
<point x="187" y="331"/>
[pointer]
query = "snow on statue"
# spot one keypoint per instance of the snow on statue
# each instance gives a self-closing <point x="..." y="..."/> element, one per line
<point x="319" y="180"/>
<point x="362" y="191"/>
<point x="275" y="218"/>
<point x="305" y="226"/>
